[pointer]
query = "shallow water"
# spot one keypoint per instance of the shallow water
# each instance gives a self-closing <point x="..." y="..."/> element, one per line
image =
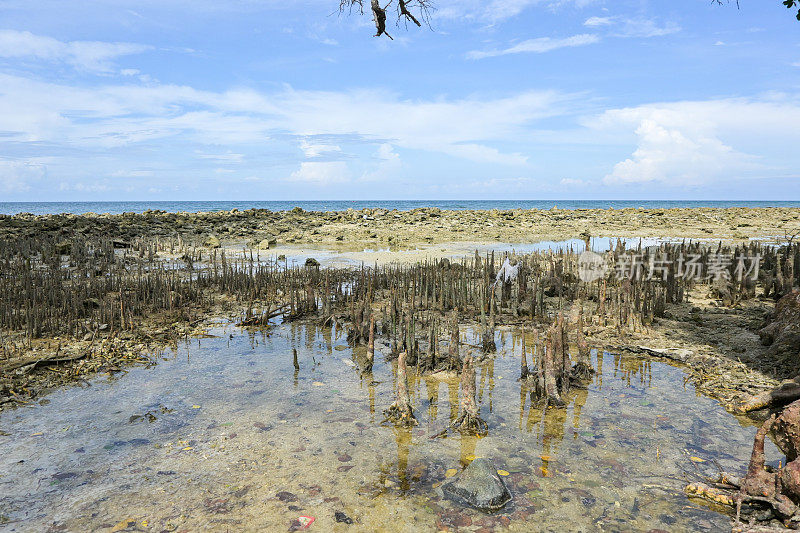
<point x="223" y="434"/>
<point x="349" y="256"/>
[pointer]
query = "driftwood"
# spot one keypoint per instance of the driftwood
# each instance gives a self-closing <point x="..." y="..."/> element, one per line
<point x="35" y="362"/>
<point x="263" y="319"/>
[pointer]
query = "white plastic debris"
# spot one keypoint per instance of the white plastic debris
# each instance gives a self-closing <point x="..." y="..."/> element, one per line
<point x="507" y="272"/>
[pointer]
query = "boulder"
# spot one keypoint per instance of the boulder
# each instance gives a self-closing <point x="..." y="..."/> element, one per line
<point x="479" y="486"/>
<point x="265" y="243"/>
<point x="212" y="242"/>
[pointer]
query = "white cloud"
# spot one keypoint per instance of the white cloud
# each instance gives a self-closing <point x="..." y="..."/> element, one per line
<point x="691" y="143"/>
<point x="572" y="182"/>
<point x="314" y="150"/>
<point x="20" y="176"/>
<point x="672" y="155"/>
<point x="594" y="22"/>
<point x="643" y="27"/>
<point x="496" y="11"/>
<point x="387" y="153"/>
<point x="538" y="45"/>
<point x="317" y="173"/>
<point x="632" y="27"/>
<point x="228" y="157"/>
<point x="85" y="55"/>
<point x="388" y="164"/>
<point x="124" y="115"/>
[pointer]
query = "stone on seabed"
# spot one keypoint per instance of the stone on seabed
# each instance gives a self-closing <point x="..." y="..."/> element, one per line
<point x="479" y="486"/>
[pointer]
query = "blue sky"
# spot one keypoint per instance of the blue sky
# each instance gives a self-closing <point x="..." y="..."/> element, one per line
<point x="277" y="100"/>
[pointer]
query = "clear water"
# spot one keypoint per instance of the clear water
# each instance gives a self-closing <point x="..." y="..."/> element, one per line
<point x="350" y="256"/>
<point x="239" y="441"/>
<point x="41" y="208"/>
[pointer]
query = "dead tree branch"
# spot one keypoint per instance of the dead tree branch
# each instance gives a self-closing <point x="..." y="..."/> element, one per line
<point x="416" y="11"/>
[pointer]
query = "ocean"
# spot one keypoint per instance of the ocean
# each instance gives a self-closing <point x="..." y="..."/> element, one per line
<point x="43" y="208"/>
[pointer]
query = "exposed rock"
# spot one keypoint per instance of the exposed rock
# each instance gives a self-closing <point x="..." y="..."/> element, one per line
<point x="312" y="263"/>
<point x="787" y="432"/>
<point x="782" y="334"/>
<point x="212" y="242"/>
<point x="479" y="486"/>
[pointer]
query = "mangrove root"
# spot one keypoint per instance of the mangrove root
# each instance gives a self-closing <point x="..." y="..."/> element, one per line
<point x="468" y="420"/>
<point x="400" y="411"/>
<point x="784" y="394"/>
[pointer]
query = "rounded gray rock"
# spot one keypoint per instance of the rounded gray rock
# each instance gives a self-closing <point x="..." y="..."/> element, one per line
<point x="479" y="486"/>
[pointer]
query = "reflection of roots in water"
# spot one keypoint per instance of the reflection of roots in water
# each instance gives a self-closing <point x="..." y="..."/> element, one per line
<point x="468" y="444"/>
<point x="627" y="367"/>
<point x="402" y="437"/>
<point x="551" y="420"/>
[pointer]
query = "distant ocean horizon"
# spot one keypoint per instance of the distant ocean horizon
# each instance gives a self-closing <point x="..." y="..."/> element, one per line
<point x="112" y="207"/>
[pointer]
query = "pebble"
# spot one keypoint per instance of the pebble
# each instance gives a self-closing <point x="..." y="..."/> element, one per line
<point x="285" y="496"/>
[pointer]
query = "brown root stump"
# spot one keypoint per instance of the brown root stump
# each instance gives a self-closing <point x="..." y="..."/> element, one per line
<point x="400" y="411"/>
<point x="468" y="421"/>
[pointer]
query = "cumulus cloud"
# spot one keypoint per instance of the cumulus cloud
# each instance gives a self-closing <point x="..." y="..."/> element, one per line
<point x="673" y="155"/>
<point x="229" y="157"/>
<point x="388" y="164"/>
<point x="696" y="142"/>
<point x="85" y="55"/>
<point x="538" y="46"/>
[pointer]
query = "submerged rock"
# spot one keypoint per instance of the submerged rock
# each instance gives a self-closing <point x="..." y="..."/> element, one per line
<point x="479" y="486"/>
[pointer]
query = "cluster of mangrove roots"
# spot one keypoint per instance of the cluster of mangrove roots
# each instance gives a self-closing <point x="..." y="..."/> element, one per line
<point x="50" y="288"/>
<point x="554" y="374"/>
<point x="764" y="493"/>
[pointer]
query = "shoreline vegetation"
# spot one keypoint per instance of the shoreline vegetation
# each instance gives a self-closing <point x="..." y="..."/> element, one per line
<point x="88" y="294"/>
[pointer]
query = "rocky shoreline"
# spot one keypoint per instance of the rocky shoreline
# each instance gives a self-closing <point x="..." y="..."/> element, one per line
<point x="400" y="229"/>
